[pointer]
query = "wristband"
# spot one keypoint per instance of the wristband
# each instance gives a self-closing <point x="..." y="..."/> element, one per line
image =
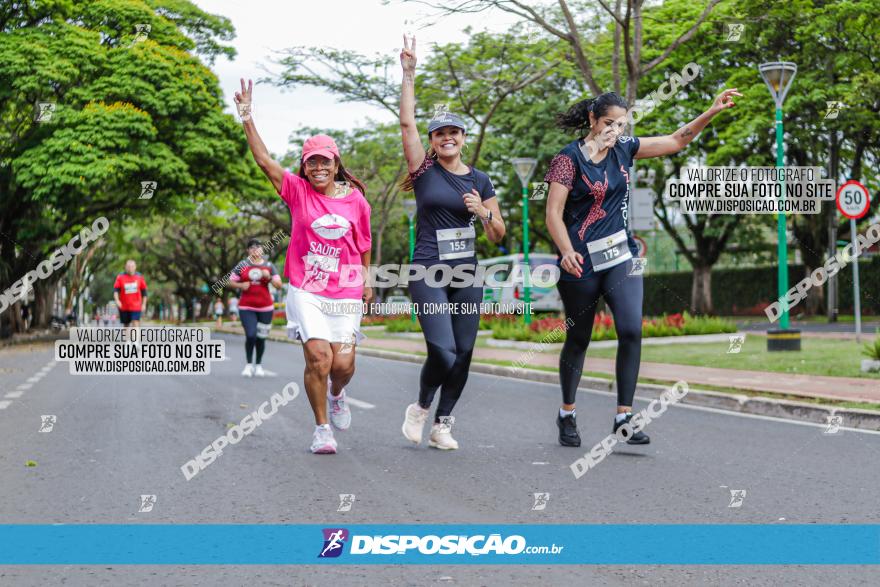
<point x="245" y="111"/>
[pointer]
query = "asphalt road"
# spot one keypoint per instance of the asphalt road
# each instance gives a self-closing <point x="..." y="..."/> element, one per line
<point x="119" y="437"/>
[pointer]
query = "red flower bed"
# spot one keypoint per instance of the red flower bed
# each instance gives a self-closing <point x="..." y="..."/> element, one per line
<point x="548" y="324"/>
<point x="603" y="320"/>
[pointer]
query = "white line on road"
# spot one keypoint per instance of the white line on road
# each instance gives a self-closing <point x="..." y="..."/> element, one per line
<point x="13" y="394"/>
<point x="772" y="418"/>
<point x="4" y="404"/>
<point x="687" y="406"/>
<point x="34" y="379"/>
<point x="359" y="404"/>
<point x="25" y="386"/>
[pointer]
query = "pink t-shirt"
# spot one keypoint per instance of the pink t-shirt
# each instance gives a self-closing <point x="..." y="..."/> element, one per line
<point x="327" y="237"/>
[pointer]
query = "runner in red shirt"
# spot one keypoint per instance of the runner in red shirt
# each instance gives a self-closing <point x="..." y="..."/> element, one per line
<point x="255" y="308"/>
<point x="130" y="294"/>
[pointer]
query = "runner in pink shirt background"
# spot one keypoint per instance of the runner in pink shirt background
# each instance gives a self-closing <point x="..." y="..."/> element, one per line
<point x="330" y="233"/>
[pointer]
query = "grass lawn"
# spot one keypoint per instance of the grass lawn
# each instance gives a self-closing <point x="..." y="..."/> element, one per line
<point x="809" y="400"/>
<point x="832" y="357"/>
<point x="836" y="358"/>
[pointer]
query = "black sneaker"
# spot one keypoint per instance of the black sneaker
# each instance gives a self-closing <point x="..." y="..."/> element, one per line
<point x="637" y="438"/>
<point x="568" y="430"/>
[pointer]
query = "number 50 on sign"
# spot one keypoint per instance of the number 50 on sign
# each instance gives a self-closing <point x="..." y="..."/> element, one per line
<point x="853" y="200"/>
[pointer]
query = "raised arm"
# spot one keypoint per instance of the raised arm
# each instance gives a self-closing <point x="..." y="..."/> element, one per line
<point x="670" y="144"/>
<point x="413" y="150"/>
<point x="270" y="167"/>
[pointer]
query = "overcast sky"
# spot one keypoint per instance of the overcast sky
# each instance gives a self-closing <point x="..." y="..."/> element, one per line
<point x="365" y="26"/>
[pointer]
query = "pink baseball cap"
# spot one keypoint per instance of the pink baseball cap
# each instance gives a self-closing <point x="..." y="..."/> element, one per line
<point x="320" y="145"/>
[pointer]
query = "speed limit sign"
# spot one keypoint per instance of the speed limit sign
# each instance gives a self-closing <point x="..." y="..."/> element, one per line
<point x="642" y="245"/>
<point x="853" y="200"/>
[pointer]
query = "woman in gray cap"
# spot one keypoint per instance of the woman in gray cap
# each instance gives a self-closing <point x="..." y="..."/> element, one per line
<point x="450" y="197"/>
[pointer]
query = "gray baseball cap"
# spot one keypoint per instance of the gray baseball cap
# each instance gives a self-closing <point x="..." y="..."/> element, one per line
<point x="446" y="119"/>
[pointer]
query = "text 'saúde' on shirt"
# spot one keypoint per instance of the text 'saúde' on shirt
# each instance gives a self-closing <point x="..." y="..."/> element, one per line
<point x="327" y="236"/>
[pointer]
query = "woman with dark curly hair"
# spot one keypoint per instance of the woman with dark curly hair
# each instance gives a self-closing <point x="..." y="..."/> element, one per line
<point x="587" y="208"/>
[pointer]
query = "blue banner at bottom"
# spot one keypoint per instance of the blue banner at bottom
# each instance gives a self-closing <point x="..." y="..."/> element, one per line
<point x="612" y="544"/>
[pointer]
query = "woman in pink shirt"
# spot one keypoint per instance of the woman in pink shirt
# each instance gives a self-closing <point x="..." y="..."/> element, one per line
<point x="329" y="252"/>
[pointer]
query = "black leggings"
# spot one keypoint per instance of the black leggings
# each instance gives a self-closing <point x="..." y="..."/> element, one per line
<point x="450" y="339"/>
<point x="623" y="294"/>
<point x="249" y="319"/>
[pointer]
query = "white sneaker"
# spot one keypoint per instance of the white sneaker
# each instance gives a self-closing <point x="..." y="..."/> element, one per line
<point x="323" y="442"/>
<point x="414" y="423"/>
<point x="441" y="434"/>
<point x="340" y="413"/>
<point x="258" y="372"/>
<point x="248" y="371"/>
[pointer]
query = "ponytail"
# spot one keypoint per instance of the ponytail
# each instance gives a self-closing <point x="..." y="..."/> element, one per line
<point x="406" y="184"/>
<point x="577" y="117"/>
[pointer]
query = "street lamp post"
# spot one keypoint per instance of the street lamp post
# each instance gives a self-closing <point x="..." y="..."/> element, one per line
<point x="409" y="207"/>
<point x="525" y="167"/>
<point x="778" y="76"/>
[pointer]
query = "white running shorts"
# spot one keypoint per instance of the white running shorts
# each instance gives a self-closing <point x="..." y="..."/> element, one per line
<point x="312" y="316"/>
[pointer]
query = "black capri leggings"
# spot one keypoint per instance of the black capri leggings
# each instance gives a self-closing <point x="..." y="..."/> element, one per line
<point x="249" y="320"/>
<point x="623" y="293"/>
<point x="450" y="340"/>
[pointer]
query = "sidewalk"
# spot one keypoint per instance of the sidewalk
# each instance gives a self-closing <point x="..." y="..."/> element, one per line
<point x="810" y="386"/>
<point x="840" y="330"/>
<point x="813" y="386"/>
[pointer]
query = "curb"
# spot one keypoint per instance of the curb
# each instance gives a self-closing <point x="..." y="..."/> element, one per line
<point x="611" y="344"/>
<point x="760" y="406"/>
<point x="29" y="339"/>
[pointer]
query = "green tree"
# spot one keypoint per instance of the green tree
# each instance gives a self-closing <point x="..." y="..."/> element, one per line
<point x="127" y="109"/>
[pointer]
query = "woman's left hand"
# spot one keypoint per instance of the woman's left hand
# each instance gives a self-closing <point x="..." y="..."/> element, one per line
<point x="724" y="100"/>
<point x="475" y="204"/>
<point x="368" y="295"/>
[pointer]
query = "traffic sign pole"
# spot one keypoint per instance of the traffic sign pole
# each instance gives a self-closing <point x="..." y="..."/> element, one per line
<point x="853" y="201"/>
<point x="527" y="282"/>
<point x="857" y="305"/>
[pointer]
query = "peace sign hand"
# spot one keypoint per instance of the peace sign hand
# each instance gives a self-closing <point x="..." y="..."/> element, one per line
<point x="245" y="96"/>
<point x="244" y="99"/>
<point x="408" y="55"/>
<point x="725" y="100"/>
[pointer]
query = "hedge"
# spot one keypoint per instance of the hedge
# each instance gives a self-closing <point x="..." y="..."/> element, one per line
<point x="748" y="291"/>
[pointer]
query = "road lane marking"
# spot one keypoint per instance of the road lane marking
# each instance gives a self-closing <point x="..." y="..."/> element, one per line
<point x="34" y="379"/>
<point x="555" y="387"/>
<point x="4" y="404"/>
<point x="720" y="411"/>
<point x="772" y="418"/>
<point x="358" y="403"/>
<point x="25" y="386"/>
<point x="13" y="394"/>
